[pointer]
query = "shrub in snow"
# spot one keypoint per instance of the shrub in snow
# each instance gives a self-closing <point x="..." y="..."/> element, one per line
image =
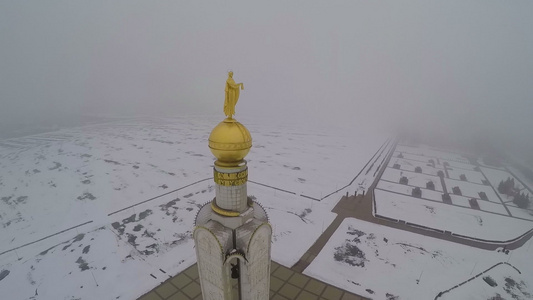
<point x="417" y="192"/>
<point x="350" y="254"/>
<point x="473" y="203"/>
<point x="462" y="177"/>
<point x="457" y="191"/>
<point x="440" y="174"/>
<point x="430" y="185"/>
<point x="490" y="281"/>
<point x="418" y="170"/>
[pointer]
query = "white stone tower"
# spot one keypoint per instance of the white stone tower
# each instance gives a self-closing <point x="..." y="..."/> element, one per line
<point x="232" y="234"/>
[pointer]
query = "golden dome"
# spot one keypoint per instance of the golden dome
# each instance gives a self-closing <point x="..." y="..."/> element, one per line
<point x="230" y="142"/>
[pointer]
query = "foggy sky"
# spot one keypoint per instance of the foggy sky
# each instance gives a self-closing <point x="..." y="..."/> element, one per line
<point x="448" y="66"/>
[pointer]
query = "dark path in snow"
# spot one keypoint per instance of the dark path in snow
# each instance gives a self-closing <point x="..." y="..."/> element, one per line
<point x="360" y="207"/>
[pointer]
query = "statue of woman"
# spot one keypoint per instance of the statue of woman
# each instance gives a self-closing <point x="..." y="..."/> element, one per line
<point x="232" y="95"/>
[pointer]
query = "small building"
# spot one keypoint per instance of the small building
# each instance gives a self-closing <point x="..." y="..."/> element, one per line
<point x="404" y="180"/>
<point x="483" y="196"/>
<point x="416" y="192"/>
<point x="440" y="174"/>
<point x="396" y="166"/>
<point x="418" y="170"/>
<point x="430" y="185"/>
<point x="473" y="203"/>
<point x="400" y="155"/>
<point x="485" y="182"/>
<point x="462" y="177"/>
<point x="446" y="198"/>
<point x="457" y="191"/>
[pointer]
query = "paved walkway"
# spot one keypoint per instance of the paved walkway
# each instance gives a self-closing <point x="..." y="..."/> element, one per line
<point x="285" y="284"/>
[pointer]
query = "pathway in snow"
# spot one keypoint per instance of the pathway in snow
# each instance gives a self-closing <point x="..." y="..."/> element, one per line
<point x="360" y="207"/>
<point x="355" y="206"/>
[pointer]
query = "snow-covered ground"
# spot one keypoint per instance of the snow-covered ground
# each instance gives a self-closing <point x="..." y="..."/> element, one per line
<point x="409" y="162"/>
<point x="505" y="281"/>
<point x="471" y="176"/>
<point x="58" y="180"/>
<point x="519" y="172"/>
<point x="93" y="177"/>
<point x="383" y="263"/>
<point x="123" y="256"/>
<point x="131" y="190"/>
<point x="497" y="176"/>
<point x="415" y="179"/>
<point x="445" y="217"/>
<point x="429" y="152"/>
<point x="73" y="176"/>
<point x="458" y="165"/>
<point x="472" y="190"/>
<point x="493" y="221"/>
<point x="408" y="190"/>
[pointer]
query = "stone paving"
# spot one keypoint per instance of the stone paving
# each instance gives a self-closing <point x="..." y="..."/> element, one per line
<point x="285" y="284"/>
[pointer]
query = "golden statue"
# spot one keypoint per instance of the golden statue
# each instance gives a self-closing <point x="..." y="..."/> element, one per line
<point x="232" y="95"/>
<point x="230" y="141"/>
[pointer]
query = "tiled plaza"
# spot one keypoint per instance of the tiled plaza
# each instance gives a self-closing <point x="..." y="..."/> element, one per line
<point x="285" y="284"/>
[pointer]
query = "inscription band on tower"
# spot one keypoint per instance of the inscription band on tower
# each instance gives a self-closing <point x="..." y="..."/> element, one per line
<point x="230" y="179"/>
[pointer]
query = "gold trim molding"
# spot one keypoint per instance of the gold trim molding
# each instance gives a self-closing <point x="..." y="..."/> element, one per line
<point x="223" y="212"/>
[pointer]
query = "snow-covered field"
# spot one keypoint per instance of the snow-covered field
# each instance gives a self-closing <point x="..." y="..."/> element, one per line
<point x="106" y="211"/>
<point x="408" y="190"/>
<point x="505" y="281"/>
<point x="383" y="263"/>
<point x="429" y="152"/>
<point x="133" y="187"/>
<point x="441" y="216"/>
<point x="472" y="190"/>
<point x="497" y="176"/>
<point x="415" y="179"/>
<point x="471" y="176"/>
<point x="410" y="162"/>
<point x="493" y="220"/>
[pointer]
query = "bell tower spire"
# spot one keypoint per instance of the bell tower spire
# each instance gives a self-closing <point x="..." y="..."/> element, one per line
<point x="232" y="234"/>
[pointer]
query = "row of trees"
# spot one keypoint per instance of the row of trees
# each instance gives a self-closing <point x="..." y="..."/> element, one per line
<point x="508" y="188"/>
<point x="521" y="200"/>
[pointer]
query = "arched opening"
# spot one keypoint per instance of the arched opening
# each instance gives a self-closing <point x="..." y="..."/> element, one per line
<point x="235" y="267"/>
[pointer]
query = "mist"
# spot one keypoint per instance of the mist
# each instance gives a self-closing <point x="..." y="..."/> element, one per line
<point x="454" y="69"/>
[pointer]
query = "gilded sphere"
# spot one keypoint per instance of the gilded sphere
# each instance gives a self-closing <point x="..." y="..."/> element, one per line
<point x="230" y="141"/>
